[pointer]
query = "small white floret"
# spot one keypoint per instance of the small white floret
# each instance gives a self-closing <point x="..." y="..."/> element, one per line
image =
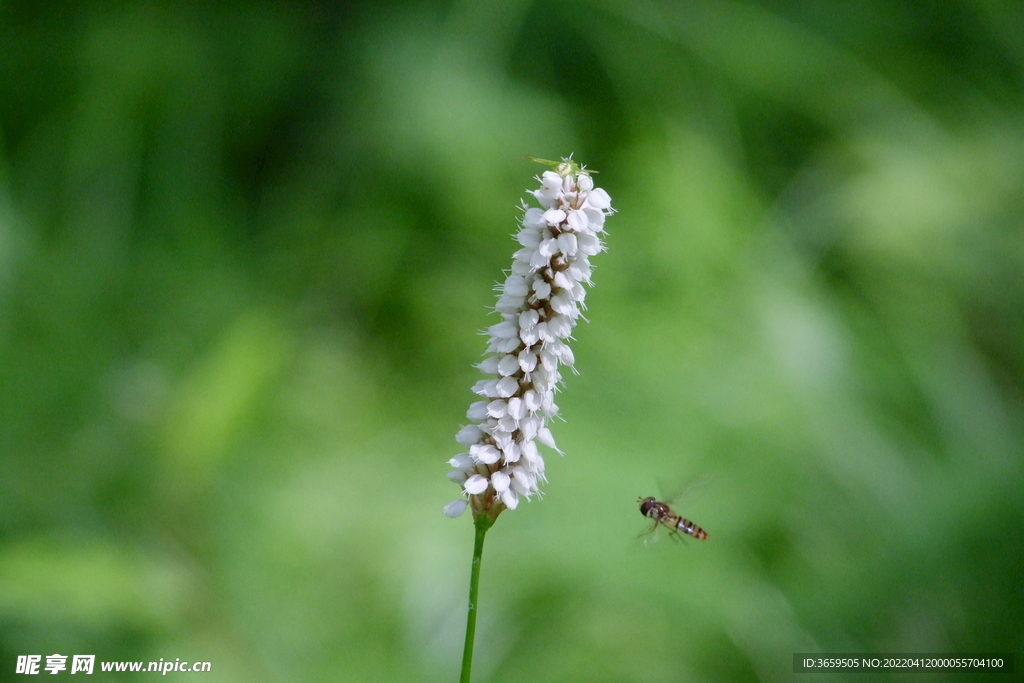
<point x="527" y="360"/>
<point x="455" y="508"/>
<point x="462" y="461"/>
<point x="500" y="481"/>
<point x="469" y="435"/>
<point x="528" y="319"/>
<point x="507" y="386"/>
<point x="599" y="199"/>
<point x="475" y="485"/>
<point x="485" y="454"/>
<point x="509" y="498"/>
<point x="545" y="437"/>
<point x="506" y="329"/>
<point x="515" y="285"/>
<point x="488" y="365"/>
<point x="477" y="411"/>
<point x="485" y="387"/>
<point x="497" y="409"/>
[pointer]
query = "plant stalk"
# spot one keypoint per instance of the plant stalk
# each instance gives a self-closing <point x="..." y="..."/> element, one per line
<point x="482" y="523"/>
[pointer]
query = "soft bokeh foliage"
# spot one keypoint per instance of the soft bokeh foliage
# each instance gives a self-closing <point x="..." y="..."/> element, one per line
<point x="246" y="251"/>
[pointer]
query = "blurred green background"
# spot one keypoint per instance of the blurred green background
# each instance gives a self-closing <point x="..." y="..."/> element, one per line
<point x="246" y="251"/>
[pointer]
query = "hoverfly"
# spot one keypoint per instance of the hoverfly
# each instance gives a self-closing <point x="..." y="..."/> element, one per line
<point x="662" y="513"/>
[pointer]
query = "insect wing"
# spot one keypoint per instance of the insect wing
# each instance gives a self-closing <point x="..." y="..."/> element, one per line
<point x="676" y="494"/>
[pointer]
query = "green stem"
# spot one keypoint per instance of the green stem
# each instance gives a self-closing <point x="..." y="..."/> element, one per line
<point x="482" y="524"/>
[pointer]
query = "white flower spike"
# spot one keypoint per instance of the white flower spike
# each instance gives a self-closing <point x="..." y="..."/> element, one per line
<point x="539" y="304"/>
